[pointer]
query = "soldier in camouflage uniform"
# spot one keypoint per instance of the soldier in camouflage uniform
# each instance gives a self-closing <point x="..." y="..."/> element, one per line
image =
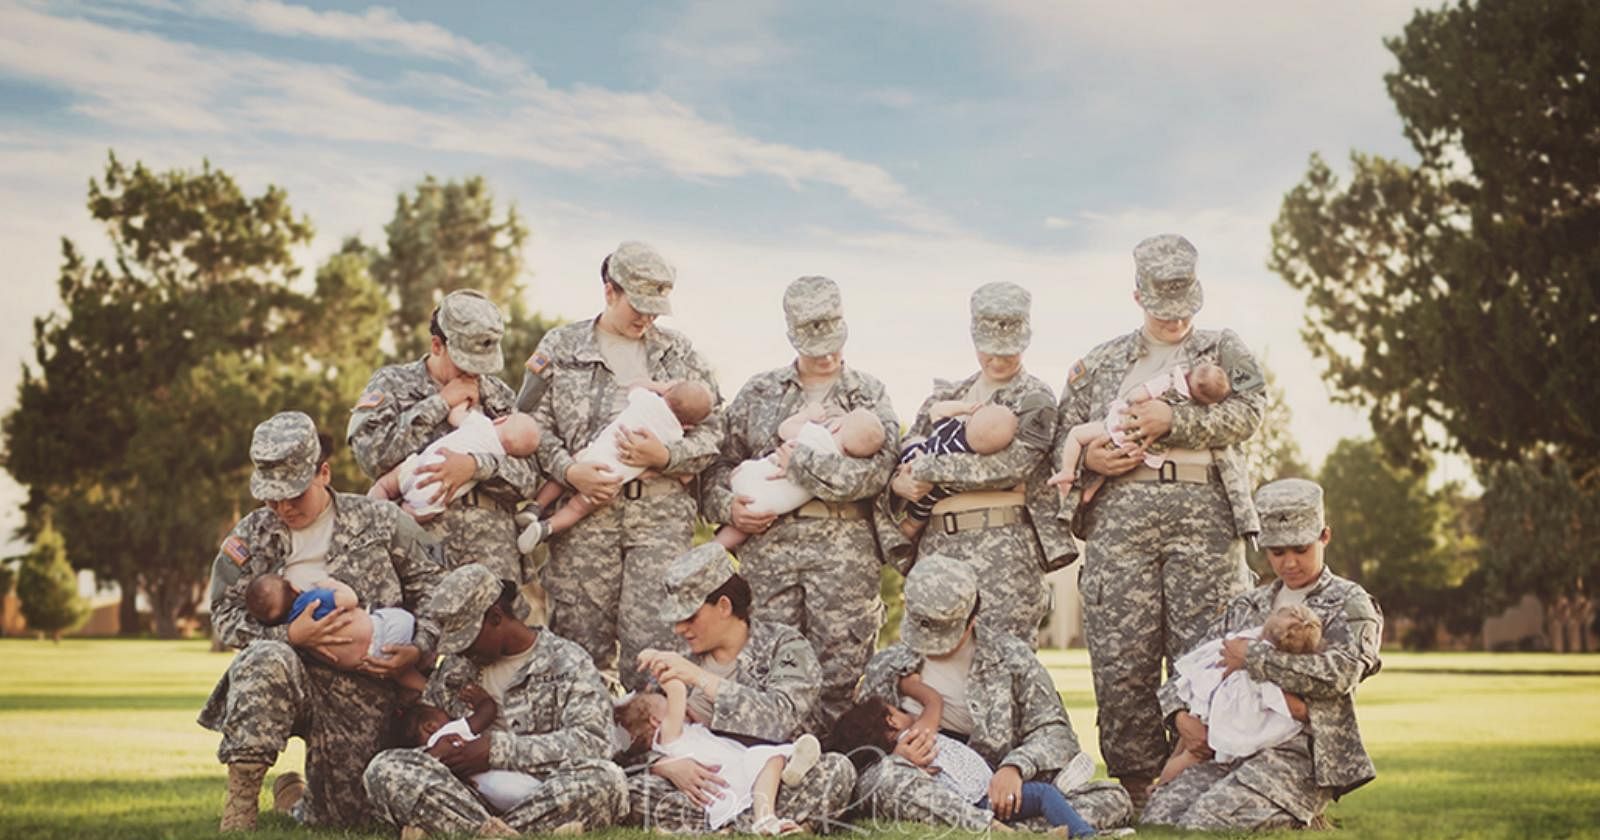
<point x="405" y="407"/>
<point x="271" y="690"/>
<point x="1165" y="548"/>
<point x="816" y="568"/>
<point x="1017" y="721"/>
<point x="604" y="574"/>
<point x="554" y="723"/>
<point x="749" y="679"/>
<point x="989" y="523"/>
<point x="1288" y="785"/>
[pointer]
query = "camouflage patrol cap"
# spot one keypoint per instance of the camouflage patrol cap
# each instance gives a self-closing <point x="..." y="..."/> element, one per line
<point x="472" y="328"/>
<point x="690" y="578"/>
<point x="458" y="604"/>
<point x="939" y="595"/>
<point x="1000" y="319"/>
<point x="1291" y="512"/>
<point x="286" y="452"/>
<point x="1164" y="271"/>
<point x="815" y="314"/>
<point x="644" y="276"/>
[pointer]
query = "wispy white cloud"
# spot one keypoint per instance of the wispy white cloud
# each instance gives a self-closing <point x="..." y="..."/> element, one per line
<point x="377" y="28"/>
<point x="1057" y="223"/>
<point x="150" y="84"/>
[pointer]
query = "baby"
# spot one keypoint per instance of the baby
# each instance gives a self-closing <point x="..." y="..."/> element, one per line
<point x="659" y="721"/>
<point x="872" y="729"/>
<point x="1207" y="384"/>
<point x="858" y="434"/>
<point x="1242" y="716"/>
<point x="664" y="408"/>
<point x="271" y="599"/>
<point x="425" y="725"/>
<point x="514" y="434"/>
<point x="958" y="427"/>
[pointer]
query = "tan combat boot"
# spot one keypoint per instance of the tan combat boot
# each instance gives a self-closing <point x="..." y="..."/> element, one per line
<point x="244" y="796"/>
<point x="1138" y="788"/>
<point x="287" y="792"/>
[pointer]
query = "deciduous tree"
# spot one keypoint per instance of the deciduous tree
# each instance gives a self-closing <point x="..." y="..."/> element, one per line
<point x="1458" y="297"/>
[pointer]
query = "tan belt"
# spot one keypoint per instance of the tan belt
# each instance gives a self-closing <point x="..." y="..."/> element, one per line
<point x="978" y="509"/>
<point x="473" y="498"/>
<point x="818" y="509"/>
<point x="978" y="500"/>
<point x="1172" y="471"/>
<point x="641" y="489"/>
<point x="969" y="520"/>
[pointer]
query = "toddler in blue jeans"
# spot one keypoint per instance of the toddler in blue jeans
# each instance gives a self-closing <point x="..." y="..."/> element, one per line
<point x="872" y="728"/>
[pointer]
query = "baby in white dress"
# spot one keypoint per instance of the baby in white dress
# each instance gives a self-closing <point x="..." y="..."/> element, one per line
<point x="1242" y="716"/>
<point x="660" y="722"/>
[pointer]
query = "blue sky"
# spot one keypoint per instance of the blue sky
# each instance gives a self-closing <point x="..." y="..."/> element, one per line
<point x="910" y="150"/>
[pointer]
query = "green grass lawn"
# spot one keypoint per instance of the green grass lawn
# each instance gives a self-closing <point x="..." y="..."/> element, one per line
<point x="100" y="741"/>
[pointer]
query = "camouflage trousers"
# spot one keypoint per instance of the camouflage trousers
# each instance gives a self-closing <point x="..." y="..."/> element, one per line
<point x="408" y="787"/>
<point x="1008" y="563"/>
<point x="269" y="693"/>
<point x="1274" y="788"/>
<point x="896" y="789"/>
<point x="1160" y="566"/>
<point x="820" y="799"/>
<point x="483" y="533"/>
<point x="820" y="576"/>
<point x="604" y="578"/>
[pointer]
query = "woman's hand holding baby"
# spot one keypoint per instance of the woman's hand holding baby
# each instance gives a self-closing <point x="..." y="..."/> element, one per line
<point x="907" y="487"/>
<point x="641" y="448"/>
<point x="1005" y="792"/>
<point x="463" y="757"/>
<point x="320" y="636"/>
<point x="746" y="520"/>
<point x="395" y="658"/>
<point x="1233" y="655"/>
<point x="919" y="748"/>
<point x="1145" y="423"/>
<point x="452" y="470"/>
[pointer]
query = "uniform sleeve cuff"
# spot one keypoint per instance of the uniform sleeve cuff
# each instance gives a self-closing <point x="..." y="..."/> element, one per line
<point x="500" y="749"/>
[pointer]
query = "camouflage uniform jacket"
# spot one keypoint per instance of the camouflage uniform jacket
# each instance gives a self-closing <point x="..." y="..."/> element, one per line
<point x="1024" y="461"/>
<point x="577" y="398"/>
<point x="375" y="549"/>
<point x="1017" y="716"/>
<point x="557" y="710"/>
<point x="752" y="432"/>
<point x="1093" y="383"/>
<point x="774" y="688"/>
<point x="409" y="414"/>
<point x="1352" y="629"/>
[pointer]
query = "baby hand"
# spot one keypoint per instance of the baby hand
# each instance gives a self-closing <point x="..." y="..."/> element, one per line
<point x="473" y="695"/>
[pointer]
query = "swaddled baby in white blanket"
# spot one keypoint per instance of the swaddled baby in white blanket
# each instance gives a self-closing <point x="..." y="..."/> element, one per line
<point x="764" y="482"/>
<point x="1242" y="716"/>
<point x="663" y="409"/>
<point x="514" y="434"/>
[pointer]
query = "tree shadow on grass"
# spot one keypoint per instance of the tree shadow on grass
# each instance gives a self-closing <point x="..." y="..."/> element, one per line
<point x="167" y="808"/>
<point x="102" y="702"/>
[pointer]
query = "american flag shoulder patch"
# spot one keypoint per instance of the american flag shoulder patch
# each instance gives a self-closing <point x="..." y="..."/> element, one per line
<point x="1077" y="372"/>
<point x="236" y="550"/>
<point x="371" y="399"/>
<point x="537" y="363"/>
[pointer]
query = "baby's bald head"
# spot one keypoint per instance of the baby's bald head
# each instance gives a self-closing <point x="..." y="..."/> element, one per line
<point x="991" y="428"/>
